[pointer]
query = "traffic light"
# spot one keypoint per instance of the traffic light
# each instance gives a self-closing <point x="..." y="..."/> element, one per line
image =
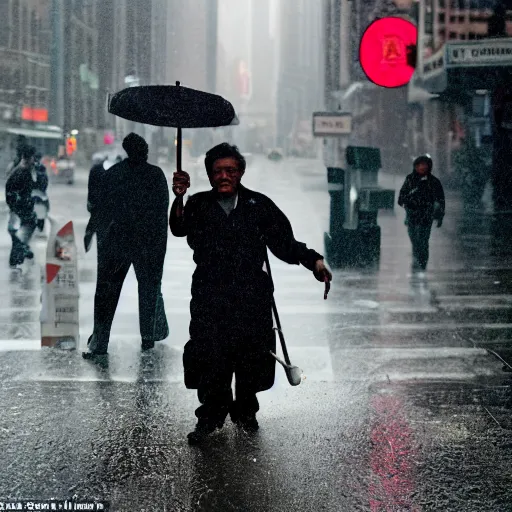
<point x="387" y="51"/>
<point x="70" y="145"/>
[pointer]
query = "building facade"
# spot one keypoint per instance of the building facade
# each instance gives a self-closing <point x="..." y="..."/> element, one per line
<point x="300" y="74"/>
<point x="25" y="77"/>
<point x="25" y="43"/>
<point x="379" y="114"/>
<point x="456" y="125"/>
<point x="461" y="20"/>
<point x="80" y="71"/>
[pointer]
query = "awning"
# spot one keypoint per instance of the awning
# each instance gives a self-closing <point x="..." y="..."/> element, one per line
<point x="37" y="134"/>
<point x="467" y="65"/>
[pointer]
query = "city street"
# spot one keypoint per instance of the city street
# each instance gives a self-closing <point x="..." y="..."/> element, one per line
<point x="405" y="404"/>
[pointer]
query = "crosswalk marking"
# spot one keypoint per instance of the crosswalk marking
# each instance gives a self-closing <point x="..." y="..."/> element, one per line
<point x="360" y="304"/>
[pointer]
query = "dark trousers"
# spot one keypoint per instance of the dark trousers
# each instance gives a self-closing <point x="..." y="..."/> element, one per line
<point x="114" y="261"/>
<point x="231" y="334"/>
<point x="20" y="240"/>
<point x="214" y="390"/>
<point x="419" y="235"/>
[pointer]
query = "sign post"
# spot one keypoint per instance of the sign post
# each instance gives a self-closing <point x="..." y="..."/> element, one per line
<point x="332" y="124"/>
<point x="59" y="313"/>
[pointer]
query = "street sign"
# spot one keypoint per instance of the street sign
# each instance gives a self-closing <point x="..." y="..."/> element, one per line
<point x="60" y="295"/>
<point x="490" y="52"/>
<point x="331" y="124"/>
<point x="387" y="52"/>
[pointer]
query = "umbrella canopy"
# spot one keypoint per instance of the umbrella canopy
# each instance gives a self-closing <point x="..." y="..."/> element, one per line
<point x="173" y="106"/>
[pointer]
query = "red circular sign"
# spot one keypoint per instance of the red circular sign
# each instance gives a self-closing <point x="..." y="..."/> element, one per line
<point x="384" y="50"/>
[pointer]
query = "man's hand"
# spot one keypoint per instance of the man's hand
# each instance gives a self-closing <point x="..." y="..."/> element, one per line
<point x="439" y="223"/>
<point x="180" y="183"/>
<point x="322" y="274"/>
<point x="87" y="240"/>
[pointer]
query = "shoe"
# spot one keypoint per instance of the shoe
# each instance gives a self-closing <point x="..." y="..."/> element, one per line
<point x="96" y="351"/>
<point x="247" y="422"/>
<point x="202" y="431"/>
<point x="94" y="354"/>
<point x="147" y="345"/>
<point x="29" y="255"/>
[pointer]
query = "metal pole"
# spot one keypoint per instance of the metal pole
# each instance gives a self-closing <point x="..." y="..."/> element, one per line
<point x="178" y="150"/>
<point x="57" y="64"/>
<point x="178" y="143"/>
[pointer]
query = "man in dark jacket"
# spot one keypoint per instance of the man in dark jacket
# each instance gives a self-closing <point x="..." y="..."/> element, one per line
<point x="129" y="204"/>
<point x="18" y="193"/>
<point x="422" y="196"/>
<point x="231" y="327"/>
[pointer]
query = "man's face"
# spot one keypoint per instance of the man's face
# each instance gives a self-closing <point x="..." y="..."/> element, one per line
<point x="225" y="176"/>
<point x="27" y="163"/>
<point x="421" y="168"/>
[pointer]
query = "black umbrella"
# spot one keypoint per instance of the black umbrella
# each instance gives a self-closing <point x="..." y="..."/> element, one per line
<point x="173" y="106"/>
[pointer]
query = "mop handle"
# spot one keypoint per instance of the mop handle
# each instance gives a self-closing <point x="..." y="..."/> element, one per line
<point x="276" y="315"/>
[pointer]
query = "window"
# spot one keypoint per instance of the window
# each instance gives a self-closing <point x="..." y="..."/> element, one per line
<point x="25" y="30"/>
<point x="471" y="35"/>
<point x="34" y="32"/>
<point x="4" y="15"/>
<point x="441" y="17"/>
<point x="462" y="36"/>
<point x="479" y="105"/>
<point x="453" y="35"/>
<point x="428" y="23"/>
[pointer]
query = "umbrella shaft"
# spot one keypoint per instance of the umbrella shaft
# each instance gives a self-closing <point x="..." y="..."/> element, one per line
<point x="178" y="150"/>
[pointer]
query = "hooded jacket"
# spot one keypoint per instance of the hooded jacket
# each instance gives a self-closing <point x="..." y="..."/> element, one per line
<point x="422" y="196"/>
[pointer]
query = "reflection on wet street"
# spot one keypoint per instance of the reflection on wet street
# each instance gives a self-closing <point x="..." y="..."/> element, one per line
<point x="403" y="406"/>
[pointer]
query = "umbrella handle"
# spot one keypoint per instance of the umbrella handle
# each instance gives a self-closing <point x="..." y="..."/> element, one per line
<point x="178" y="150"/>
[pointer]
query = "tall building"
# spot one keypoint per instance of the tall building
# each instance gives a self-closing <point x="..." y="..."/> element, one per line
<point x="25" y="102"/>
<point x="80" y="71"/>
<point x="25" y="61"/>
<point x="187" y="46"/>
<point x="190" y="58"/>
<point x="261" y="111"/>
<point x="300" y="73"/>
<point x="234" y="73"/>
<point x="126" y="56"/>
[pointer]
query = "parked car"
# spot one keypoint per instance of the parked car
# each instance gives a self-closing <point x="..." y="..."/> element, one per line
<point x="275" y="155"/>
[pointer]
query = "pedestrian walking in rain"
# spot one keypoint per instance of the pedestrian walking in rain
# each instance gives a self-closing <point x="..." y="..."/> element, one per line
<point x="19" y="189"/>
<point x="231" y="330"/>
<point x="422" y="196"/>
<point x="129" y="204"/>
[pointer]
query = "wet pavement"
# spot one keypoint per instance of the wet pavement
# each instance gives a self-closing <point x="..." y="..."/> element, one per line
<point x="403" y="406"/>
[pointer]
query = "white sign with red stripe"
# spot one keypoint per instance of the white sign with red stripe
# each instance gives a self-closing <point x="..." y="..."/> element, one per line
<point x="60" y="294"/>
